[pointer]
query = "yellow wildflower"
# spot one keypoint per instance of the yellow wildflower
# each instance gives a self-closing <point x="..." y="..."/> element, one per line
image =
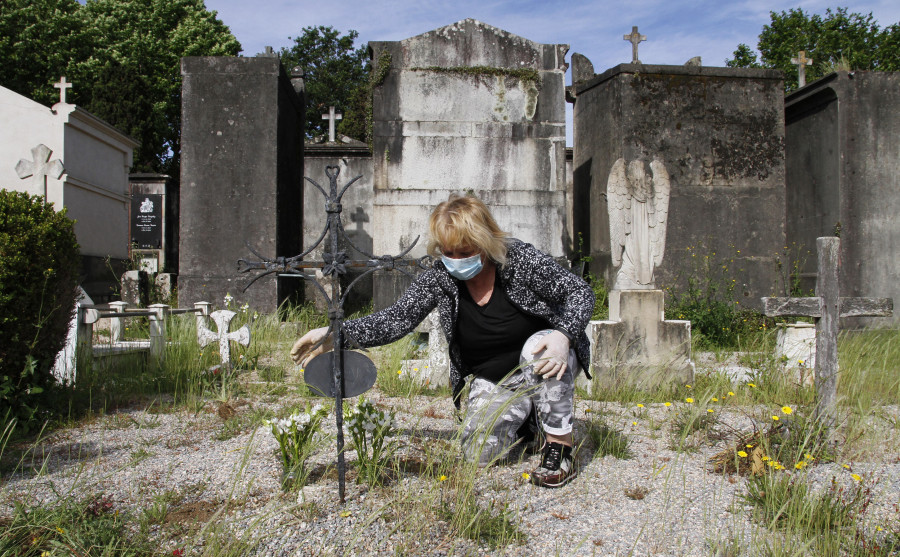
<point x="688" y="386"/>
<point x="640" y="405"/>
<point x="710" y="410"/>
<point x="776" y="418"/>
<point x="526" y="476"/>
<point x="855" y="477"/>
<point x="633" y="423"/>
<point x="399" y="372"/>
<point x="345" y="514"/>
<point x="715" y="399"/>
<point x="800" y="465"/>
<point x="667" y="404"/>
<point x="770" y="462"/>
<point x="742" y="454"/>
<point x="751" y="385"/>
<point x="847" y="466"/>
<point x="787" y="409"/>
<point x="689" y="400"/>
<point x="730" y="393"/>
<point x="766" y="459"/>
<point x="443" y="478"/>
<point x="810" y="457"/>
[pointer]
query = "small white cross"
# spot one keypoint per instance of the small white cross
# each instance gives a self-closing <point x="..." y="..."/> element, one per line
<point x="62" y="85"/>
<point x="223" y="318"/>
<point x="332" y="117"/>
<point x="802" y="61"/>
<point x="39" y="167"/>
<point x="635" y="39"/>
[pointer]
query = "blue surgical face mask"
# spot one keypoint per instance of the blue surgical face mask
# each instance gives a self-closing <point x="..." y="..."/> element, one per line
<point x="464" y="268"/>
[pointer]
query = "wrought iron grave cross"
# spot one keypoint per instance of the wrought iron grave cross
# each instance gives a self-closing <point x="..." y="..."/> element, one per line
<point x="340" y="373"/>
<point x="827" y="307"/>
<point x="635" y="39"/>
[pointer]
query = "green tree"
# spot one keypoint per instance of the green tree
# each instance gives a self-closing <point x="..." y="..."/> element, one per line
<point x="336" y="74"/>
<point x="123" y="57"/>
<point x="39" y="40"/>
<point x="839" y="40"/>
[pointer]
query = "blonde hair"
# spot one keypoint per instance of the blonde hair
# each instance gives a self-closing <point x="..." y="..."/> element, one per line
<point x="466" y="221"/>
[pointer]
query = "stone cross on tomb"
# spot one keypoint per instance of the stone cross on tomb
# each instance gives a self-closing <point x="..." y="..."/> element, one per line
<point x="827" y="307"/>
<point x="802" y="61"/>
<point x="223" y="318"/>
<point x="332" y="118"/>
<point x="635" y="39"/>
<point x="62" y="85"/>
<point x="39" y="167"/>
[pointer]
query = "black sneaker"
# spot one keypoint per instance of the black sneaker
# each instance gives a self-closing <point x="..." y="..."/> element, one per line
<point x="557" y="467"/>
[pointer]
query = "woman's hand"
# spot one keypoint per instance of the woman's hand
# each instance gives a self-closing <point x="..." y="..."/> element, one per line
<point x="303" y="352"/>
<point x="552" y="362"/>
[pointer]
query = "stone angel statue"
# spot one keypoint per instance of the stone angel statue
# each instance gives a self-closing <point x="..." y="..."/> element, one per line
<point x="638" y="209"/>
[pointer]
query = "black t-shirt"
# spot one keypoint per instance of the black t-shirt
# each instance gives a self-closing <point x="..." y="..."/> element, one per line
<point x="491" y="336"/>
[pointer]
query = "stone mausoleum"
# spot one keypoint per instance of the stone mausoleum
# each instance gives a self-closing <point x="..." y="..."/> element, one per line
<point x="468" y="108"/>
<point x="719" y="133"/>
<point x="241" y="172"/>
<point x="843" y="170"/>
<point x="94" y="159"/>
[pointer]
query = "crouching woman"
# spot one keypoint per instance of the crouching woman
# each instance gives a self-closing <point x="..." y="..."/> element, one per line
<point x="514" y="320"/>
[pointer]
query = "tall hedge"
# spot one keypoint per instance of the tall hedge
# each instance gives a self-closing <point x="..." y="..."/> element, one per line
<point x="39" y="265"/>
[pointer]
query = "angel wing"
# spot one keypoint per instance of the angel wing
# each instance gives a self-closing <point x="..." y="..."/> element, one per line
<point x="659" y="213"/>
<point x="618" y="202"/>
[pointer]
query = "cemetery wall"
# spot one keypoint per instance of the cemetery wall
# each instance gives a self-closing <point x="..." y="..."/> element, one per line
<point x="357" y="216"/>
<point x="242" y="162"/>
<point x="720" y="133"/>
<point x="468" y="108"/>
<point x="843" y="159"/>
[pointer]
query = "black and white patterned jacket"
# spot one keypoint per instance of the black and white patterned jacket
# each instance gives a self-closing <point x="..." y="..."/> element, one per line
<point x="533" y="281"/>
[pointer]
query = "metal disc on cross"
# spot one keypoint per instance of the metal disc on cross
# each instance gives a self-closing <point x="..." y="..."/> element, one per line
<point x="359" y="374"/>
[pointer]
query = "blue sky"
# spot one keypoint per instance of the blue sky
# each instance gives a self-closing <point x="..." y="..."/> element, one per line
<point x="676" y="31"/>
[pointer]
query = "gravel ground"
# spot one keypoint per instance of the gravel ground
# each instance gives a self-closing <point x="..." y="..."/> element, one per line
<point x="659" y="502"/>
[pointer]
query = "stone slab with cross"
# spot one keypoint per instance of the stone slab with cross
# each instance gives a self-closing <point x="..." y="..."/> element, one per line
<point x="827" y="307"/>
<point x="222" y="319"/>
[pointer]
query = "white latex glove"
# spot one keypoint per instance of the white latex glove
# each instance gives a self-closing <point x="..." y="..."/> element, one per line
<point x="303" y="352"/>
<point x="552" y="351"/>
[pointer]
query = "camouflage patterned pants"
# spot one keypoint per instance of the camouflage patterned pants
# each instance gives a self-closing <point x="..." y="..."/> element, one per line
<point x="495" y="411"/>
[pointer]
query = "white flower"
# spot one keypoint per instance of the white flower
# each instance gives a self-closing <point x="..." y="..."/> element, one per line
<point x="244" y="307"/>
<point x="304" y="418"/>
<point x="369" y="426"/>
<point x="316" y="408"/>
<point x="228" y="298"/>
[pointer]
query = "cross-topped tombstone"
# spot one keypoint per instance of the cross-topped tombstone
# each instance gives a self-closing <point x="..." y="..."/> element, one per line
<point x="802" y="61"/>
<point x="222" y="319"/>
<point x="827" y="307"/>
<point x="332" y="118"/>
<point x="39" y="167"/>
<point x="62" y="85"/>
<point x="635" y="39"/>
